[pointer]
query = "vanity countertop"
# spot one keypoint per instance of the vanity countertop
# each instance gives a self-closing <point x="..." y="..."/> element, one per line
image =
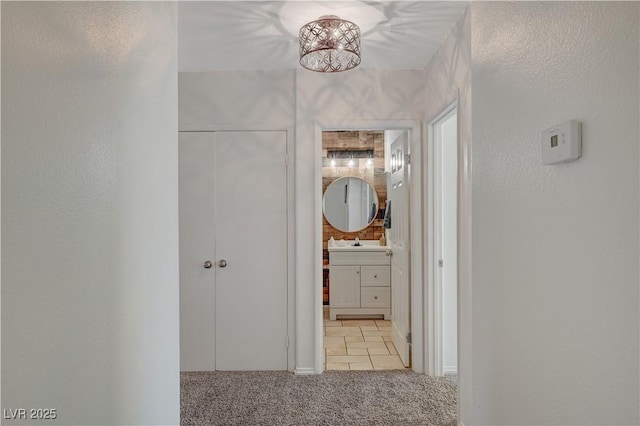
<point x="363" y="247"/>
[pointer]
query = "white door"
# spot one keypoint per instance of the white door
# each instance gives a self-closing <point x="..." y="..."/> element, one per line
<point x="400" y="244"/>
<point x="446" y="238"/>
<point x="233" y="213"/>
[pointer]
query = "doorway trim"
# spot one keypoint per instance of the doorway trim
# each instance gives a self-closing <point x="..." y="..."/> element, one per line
<point x="416" y="225"/>
<point x="291" y="218"/>
<point x="433" y="294"/>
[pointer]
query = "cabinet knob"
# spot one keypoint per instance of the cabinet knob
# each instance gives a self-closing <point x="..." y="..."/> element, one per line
<point x="375" y="297"/>
<point x="375" y="276"/>
<point x="357" y="272"/>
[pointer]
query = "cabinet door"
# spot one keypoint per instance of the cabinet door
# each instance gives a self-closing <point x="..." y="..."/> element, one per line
<point x="344" y="286"/>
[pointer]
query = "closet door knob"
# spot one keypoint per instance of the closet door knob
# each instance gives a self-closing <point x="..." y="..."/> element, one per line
<point x="208" y="264"/>
<point x="222" y="263"/>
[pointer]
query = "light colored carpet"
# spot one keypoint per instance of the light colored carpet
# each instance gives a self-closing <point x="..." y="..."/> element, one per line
<point x="334" y="398"/>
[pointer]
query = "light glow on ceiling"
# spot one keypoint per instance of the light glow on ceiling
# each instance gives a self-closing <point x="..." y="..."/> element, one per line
<point x="294" y="14"/>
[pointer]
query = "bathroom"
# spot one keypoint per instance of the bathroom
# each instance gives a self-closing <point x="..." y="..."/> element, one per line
<point x="354" y="188"/>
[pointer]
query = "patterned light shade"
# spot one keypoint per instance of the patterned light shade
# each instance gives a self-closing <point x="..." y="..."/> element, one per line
<point x="329" y="44"/>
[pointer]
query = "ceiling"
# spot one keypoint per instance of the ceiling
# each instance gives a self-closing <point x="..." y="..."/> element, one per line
<point x="262" y="35"/>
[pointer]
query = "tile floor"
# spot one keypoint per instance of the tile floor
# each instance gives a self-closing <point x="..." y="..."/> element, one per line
<point x="359" y="345"/>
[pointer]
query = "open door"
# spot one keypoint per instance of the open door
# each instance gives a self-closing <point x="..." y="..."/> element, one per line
<point x="399" y="240"/>
<point x="445" y="190"/>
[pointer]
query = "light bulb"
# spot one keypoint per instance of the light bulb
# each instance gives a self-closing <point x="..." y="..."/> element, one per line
<point x="333" y="162"/>
<point x="352" y="162"/>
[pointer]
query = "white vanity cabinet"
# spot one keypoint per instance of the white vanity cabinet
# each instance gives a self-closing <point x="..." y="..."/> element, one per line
<point x="359" y="281"/>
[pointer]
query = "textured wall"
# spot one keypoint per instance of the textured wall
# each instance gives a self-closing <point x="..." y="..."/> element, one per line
<point x="256" y="100"/>
<point x="284" y="99"/>
<point x="90" y="217"/>
<point x="555" y="248"/>
<point x="338" y="99"/>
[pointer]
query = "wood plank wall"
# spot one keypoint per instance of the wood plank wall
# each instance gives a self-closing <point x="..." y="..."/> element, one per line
<point x="355" y="140"/>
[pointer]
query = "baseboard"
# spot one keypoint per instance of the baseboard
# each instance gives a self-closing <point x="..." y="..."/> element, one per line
<point x="305" y="371"/>
<point x="450" y="371"/>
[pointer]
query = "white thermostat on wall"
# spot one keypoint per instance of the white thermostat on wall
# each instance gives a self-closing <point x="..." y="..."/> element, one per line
<point x="562" y="143"/>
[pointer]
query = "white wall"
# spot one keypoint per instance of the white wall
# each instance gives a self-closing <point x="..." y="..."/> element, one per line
<point x="261" y="100"/>
<point x="335" y="99"/>
<point x="448" y="78"/>
<point x="555" y="248"/>
<point x="90" y="211"/>
<point x="284" y="99"/>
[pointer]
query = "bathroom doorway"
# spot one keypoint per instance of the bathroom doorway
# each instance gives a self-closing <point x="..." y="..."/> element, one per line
<point x="357" y="323"/>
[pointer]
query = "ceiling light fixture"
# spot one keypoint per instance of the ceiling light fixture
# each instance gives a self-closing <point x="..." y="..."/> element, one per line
<point x="329" y="44"/>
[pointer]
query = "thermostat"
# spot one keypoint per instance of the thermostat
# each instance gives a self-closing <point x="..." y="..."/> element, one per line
<point x="562" y="143"/>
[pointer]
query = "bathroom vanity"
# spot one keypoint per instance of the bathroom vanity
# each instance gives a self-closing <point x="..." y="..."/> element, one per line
<point x="359" y="281"/>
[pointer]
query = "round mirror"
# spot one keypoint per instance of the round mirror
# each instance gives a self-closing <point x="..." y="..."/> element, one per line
<point x="350" y="204"/>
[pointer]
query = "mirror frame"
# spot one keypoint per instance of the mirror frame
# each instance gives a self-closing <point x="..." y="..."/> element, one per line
<point x="375" y="193"/>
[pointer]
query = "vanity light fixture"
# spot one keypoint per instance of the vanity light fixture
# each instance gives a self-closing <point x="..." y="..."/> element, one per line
<point x="329" y="44"/>
<point x="348" y="156"/>
<point x="369" y="161"/>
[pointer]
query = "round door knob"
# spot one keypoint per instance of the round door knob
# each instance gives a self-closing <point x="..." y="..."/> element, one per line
<point x="208" y="264"/>
<point x="222" y="263"/>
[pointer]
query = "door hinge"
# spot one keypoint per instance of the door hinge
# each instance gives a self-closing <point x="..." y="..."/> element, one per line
<point x="409" y="337"/>
<point x="286" y="342"/>
<point x="286" y="160"/>
<point x="407" y="159"/>
<point x="441" y="263"/>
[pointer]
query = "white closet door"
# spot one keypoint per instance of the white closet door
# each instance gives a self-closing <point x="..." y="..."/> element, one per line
<point x="251" y="236"/>
<point x="243" y="226"/>
<point x="197" y="284"/>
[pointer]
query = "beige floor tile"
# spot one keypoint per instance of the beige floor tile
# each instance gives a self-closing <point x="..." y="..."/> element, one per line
<point x="336" y="351"/>
<point x="334" y="342"/>
<point x="354" y="338"/>
<point x="357" y="351"/>
<point x="389" y="362"/>
<point x="379" y="350"/>
<point x="392" y="348"/>
<point x="337" y="367"/>
<point x="361" y="366"/>
<point x="347" y="359"/>
<point x="366" y="345"/>
<point x="376" y="333"/>
<point x="387" y="338"/>
<point x="358" y="323"/>
<point x="383" y="323"/>
<point x="329" y="323"/>
<point x="344" y="331"/>
<point x="373" y="339"/>
<point x="369" y="328"/>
